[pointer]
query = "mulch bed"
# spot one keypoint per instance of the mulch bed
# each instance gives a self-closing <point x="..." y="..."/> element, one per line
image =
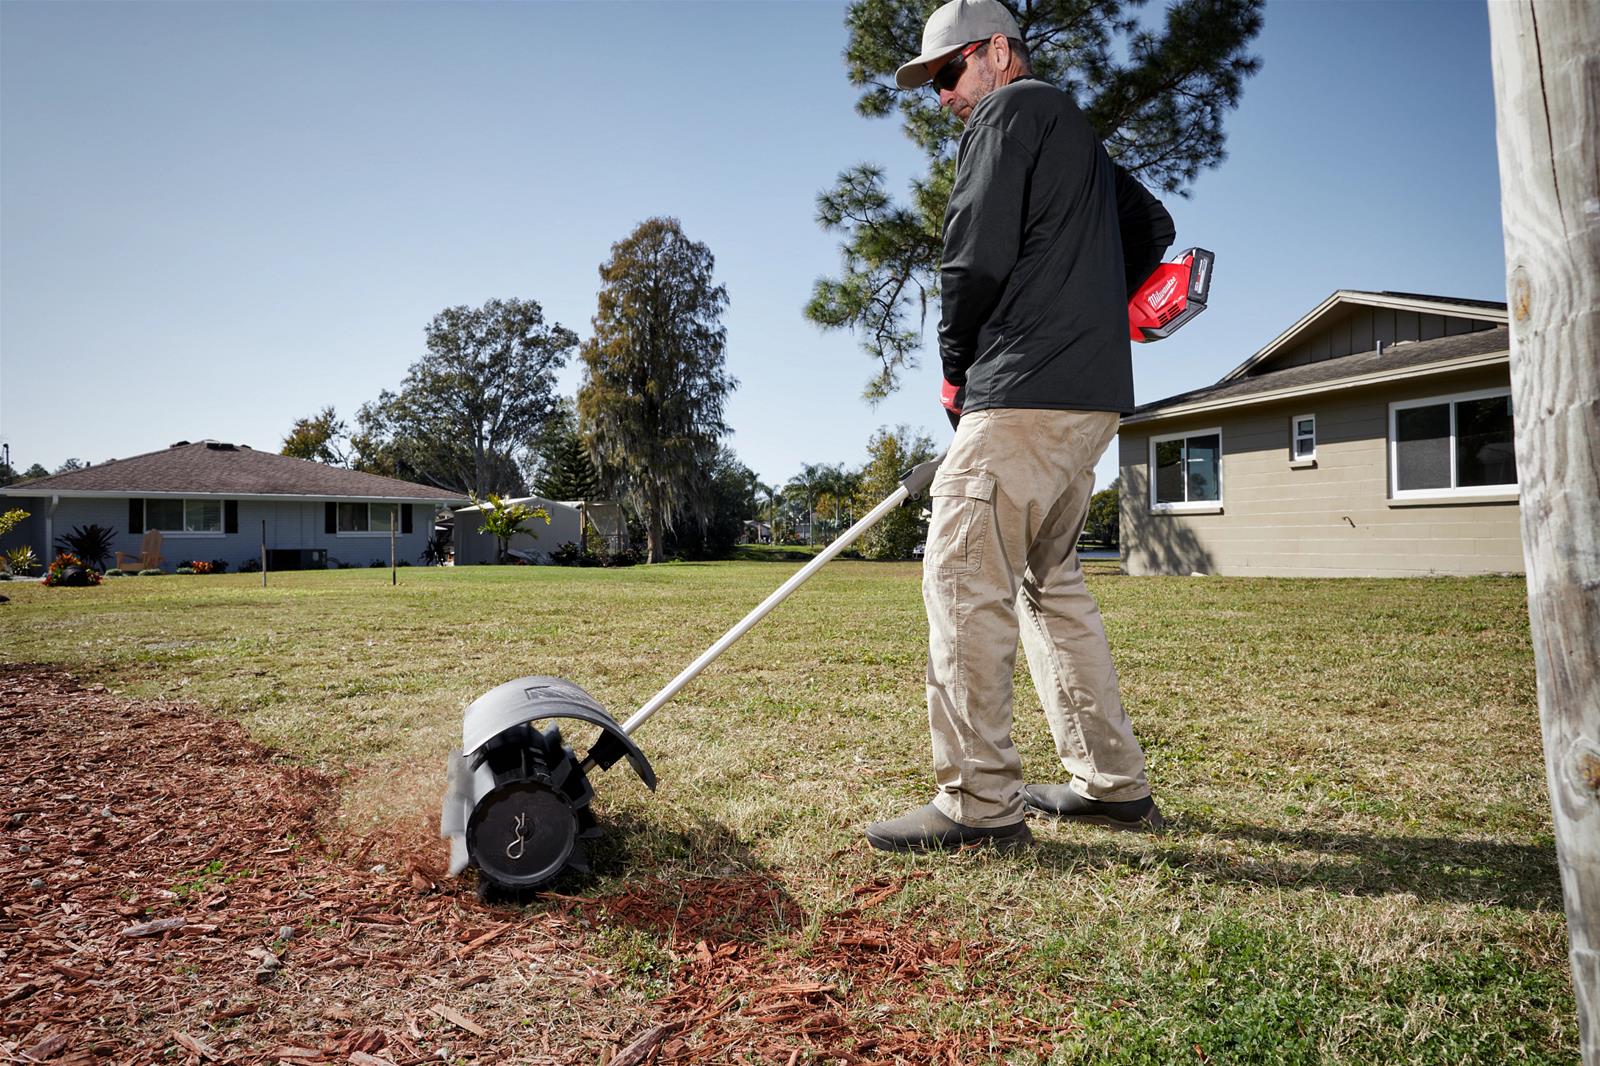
<point x="171" y="891"/>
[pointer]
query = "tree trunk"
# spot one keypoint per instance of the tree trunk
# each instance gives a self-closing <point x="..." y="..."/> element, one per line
<point x="1547" y="103"/>
<point x="654" y="529"/>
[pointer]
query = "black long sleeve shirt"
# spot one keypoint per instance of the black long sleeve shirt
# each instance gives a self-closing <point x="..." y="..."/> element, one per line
<point x="1045" y="239"/>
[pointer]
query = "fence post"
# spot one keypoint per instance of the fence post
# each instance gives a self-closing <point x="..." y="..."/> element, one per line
<point x="1546" y="60"/>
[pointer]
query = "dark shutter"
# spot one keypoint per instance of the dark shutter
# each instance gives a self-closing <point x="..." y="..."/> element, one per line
<point x="330" y="518"/>
<point x="230" y="516"/>
<point x="405" y="518"/>
<point x="136" y="516"/>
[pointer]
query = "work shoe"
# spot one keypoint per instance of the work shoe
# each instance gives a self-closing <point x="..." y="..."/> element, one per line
<point x="930" y="829"/>
<point x="1059" y="801"/>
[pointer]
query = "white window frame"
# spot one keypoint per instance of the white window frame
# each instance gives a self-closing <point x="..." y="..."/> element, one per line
<point x="1187" y="506"/>
<point x="222" y="518"/>
<point x="1294" y="439"/>
<point x="1454" y="492"/>
<point x="369" y="531"/>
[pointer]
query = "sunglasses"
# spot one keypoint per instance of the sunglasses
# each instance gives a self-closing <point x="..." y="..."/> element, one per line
<point x="950" y="73"/>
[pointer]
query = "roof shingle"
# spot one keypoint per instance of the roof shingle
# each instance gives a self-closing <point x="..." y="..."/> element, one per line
<point x="1401" y="356"/>
<point x="215" y="468"/>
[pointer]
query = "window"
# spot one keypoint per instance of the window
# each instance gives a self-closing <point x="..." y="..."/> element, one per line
<point x="183" y="516"/>
<point x="366" y="517"/>
<point x="1304" y="444"/>
<point x="1452" y="446"/>
<point x="1186" y="471"/>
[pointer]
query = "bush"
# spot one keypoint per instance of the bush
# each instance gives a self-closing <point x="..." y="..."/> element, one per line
<point x="114" y="572"/>
<point x="198" y="566"/>
<point x="69" y="571"/>
<point x="623" y="557"/>
<point x="22" y="560"/>
<point x="435" y="553"/>
<point x="219" y="566"/>
<point x="185" y="570"/>
<point x="250" y="566"/>
<point x="91" y="544"/>
<point x="376" y="563"/>
<point x="569" y="554"/>
<point x="151" y="573"/>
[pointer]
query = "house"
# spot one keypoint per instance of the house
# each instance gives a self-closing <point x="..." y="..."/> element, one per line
<point x="1371" y="438"/>
<point x="470" y="546"/>
<point x="212" y="500"/>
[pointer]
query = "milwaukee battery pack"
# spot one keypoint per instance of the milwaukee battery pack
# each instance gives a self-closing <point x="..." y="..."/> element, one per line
<point x="1173" y="294"/>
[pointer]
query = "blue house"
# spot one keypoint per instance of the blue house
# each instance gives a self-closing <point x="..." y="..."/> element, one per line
<point x="210" y="500"/>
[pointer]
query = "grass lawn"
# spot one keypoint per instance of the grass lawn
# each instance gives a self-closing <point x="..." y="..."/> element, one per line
<point x="1359" y="867"/>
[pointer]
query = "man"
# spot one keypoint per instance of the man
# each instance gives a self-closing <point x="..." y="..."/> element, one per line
<point x="1044" y="241"/>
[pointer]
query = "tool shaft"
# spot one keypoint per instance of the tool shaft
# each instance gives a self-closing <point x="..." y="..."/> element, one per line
<point x="845" y="539"/>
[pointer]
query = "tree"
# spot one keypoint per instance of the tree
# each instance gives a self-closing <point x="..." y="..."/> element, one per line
<point x="654" y="384"/>
<point x="562" y="469"/>
<point x="730" y="487"/>
<point x="504" y="520"/>
<point x="470" y="407"/>
<point x="1103" y="525"/>
<point x="807" y="485"/>
<point x="36" y="470"/>
<point x="837" y="490"/>
<point x="890" y="453"/>
<point x="317" y="439"/>
<point x="1157" y="99"/>
<point x="70" y="465"/>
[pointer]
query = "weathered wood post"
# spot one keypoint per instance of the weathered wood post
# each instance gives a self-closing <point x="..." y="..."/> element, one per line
<point x="1547" y="107"/>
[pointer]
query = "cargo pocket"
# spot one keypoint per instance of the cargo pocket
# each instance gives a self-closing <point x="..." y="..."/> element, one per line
<point x="962" y="505"/>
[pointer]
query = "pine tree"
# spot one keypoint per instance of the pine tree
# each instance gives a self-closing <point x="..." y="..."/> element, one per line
<point x="565" y="471"/>
<point x="654" y="385"/>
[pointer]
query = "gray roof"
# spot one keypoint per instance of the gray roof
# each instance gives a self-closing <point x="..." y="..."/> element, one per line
<point x="1490" y="305"/>
<point x="213" y="468"/>
<point x="1400" y="356"/>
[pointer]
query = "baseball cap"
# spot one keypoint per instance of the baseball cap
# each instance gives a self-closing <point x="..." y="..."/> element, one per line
<point x="953" y="25"/>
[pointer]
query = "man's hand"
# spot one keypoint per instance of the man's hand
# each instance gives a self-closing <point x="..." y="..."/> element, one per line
<point x="951" y="397"/>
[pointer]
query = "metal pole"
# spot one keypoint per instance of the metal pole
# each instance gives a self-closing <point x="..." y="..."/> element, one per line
<point x="913" y="483"/>
<point x="263" y="553"/>
<point x="394" y="523"/>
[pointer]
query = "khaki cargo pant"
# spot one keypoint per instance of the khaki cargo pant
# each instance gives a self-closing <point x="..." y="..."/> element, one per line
<point x="1008" y="504"/>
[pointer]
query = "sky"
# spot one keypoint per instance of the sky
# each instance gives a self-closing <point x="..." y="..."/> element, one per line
<point x="216" y="218"/>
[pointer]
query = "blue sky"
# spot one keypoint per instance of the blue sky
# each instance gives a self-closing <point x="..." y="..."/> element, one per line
<point x="216" y="218"/>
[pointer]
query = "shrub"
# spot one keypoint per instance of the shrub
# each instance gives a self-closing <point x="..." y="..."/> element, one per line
<point x="435" y="553"/>
<point x="402" y="562"/>
<point x="11" y="519"/>
<point x="250" y="566"/>
<point x="69" y="571"/>
<point x="567" y="555"/>
<point x="185" y="570"/>
<point x="199" y="566"/>
<point x="219" y="566"/>
<point x="376" y="563"/>
<point x="22" y="560"/>
<point x="154" y="572"/>
<point x="91" y="544"/>
<point x="623" y="557"/>
<point x="114" y="572"/>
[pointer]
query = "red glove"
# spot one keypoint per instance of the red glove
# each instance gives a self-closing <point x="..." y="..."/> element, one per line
<point x="952" y="397"/>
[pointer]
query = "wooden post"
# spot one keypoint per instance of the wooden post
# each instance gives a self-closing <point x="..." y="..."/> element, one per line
<point x="394" y="561"/>
<point x="1547" y="105"/>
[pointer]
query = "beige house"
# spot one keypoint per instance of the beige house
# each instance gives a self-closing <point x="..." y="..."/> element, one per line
<point x="1371" y="438"/>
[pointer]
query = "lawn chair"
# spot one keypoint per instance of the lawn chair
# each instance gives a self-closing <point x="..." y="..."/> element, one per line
<point x="149" y="557"/>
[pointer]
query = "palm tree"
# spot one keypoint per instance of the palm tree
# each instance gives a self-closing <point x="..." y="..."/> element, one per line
<point x="806" y="485"/>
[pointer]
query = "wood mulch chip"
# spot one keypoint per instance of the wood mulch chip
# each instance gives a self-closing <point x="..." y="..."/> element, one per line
<point x="172" y="891"/>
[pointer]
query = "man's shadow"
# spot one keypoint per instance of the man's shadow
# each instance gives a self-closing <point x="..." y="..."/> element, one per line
<point x="1441" y="869"/>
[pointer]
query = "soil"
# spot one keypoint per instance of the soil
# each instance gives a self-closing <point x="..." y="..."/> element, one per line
<point x="172" y="891"/>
